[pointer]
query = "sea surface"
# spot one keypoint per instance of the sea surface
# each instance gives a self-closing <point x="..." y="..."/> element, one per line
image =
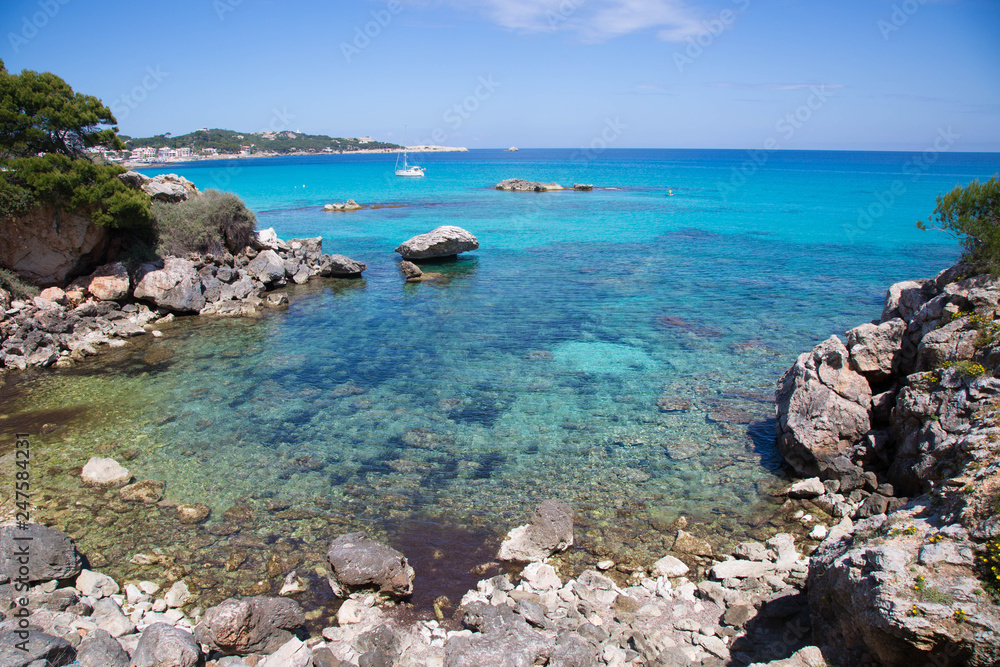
<point x="616" y="349"/>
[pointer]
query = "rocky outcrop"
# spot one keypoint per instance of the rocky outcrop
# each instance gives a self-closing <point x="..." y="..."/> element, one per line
<point x="53" y="554"/>
<point x="48" y="246"/>
<point x="338" y="266"/>
<point x="550" y="531"/>
<point x="250" y="625"/>
<point x="174" y="285"/>
<point x="169" y="188"/>
<point x="359" y="562"/>
<point x="109" y="282"/>
<point x="349" y="205"/>
<point x="445" y="241"/>
<point x="521" y="185"/>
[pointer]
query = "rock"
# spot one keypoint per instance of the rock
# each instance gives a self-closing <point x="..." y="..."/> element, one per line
<point x="876" y="349"/>
<point x="293" y="653"/>
<point x="738" y="615"/>
<point x="193" y="513"/>
<point x="53" y="294"/>
<point x="52" y="554"/>
<point x="147" y="491"/>
<point x="750" y="551"/>
<point x="104" y="472"/>
<point x="541" y="577"/>
<point x="48" y="246"/>
<point x="904" y="299"/>
<point x="291" y="585"/>
<point x="822" y="408"/>
<point x="169" y="188"/>
<point x="178" y="595"/>
<point x="583" y="186"/>
<point x="410" y="270"/>
<point x="806" y="488"/>
<point x="521" y="185"/>
<point x="810" y="656"/>
<point x="109" y="617"/>
<point x="668" y="566"/>
<point x="686" y="543"/>
<point x="359" y="562"/>
<point x="100" y="649"/>
<point x="349" y="205"/>
<point x="741" y="569"/>
<point x="133" y="179"/>
<point x="44" y="650"/>
<point x="818" y="532"/>
<point x="95" y="584"/>
<point x="162" y="645"/>
<point x="109" y="282"/>
<point x="176" y="286"/>
<point x="4" y="300"/>
<point x="550" y="531"/>
<point x="250" y="625"/>
<point x="338" y="265"/>
<point x="445" y="241"/>
<point x="267" y="267"/>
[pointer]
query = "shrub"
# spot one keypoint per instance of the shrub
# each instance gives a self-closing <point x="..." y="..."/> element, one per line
<point x="17" y="287"/>
<point x="210" y="223"/>
<point x="972" y="214"/>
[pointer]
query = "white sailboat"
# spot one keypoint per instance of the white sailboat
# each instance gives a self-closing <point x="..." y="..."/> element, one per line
<point x="407" y="169"/>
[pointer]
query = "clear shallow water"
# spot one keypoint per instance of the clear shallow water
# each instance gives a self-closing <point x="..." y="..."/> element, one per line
<point x="438" y="414"/>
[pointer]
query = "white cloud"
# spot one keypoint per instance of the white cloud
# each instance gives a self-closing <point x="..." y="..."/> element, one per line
<point x="592" y="20"/>
<point x="773" y="86"/>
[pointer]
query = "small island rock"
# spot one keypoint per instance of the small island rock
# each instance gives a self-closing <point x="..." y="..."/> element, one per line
<point x="349" y="205"/>
<point x="104" y="472"/>
<point x="360" y="562"/>
<point x="445" y="241"/>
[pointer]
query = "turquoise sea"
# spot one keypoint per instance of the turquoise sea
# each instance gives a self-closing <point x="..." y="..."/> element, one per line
<point x="617" y="349"/>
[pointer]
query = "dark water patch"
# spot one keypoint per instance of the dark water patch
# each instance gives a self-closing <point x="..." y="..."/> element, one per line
<point x="488" y="465"/>
<point x="37" y="422"/>
<point x="762" y="435"/>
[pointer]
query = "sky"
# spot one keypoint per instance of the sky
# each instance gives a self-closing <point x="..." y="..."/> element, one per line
<point x="788" y="74"/>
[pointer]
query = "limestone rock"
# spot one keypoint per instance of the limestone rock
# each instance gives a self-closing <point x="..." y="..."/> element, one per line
<point x="147" y="491"/>
<point x="100" y="649"/>
<point x="686" y="543"/>
<point x="162" y="645"/>
<point x="95" y="584"/>
<point x="109" y="282"/>
<point x="48" y="246"/>
<point x="169" y="188"/>
<point x="104" y="472"/>
<point x="668" y="566"/>
<point x="358" y="561"/>
<point x="410" y="270"/>
<point x="193" y="513"/>
<point x="293" y="653"/>
<point x="445" y="241"/>
<point x="266" y="239"/>
<point x="250" y="625"/>
<point x="349" y="205"/>
<point x="875" y="350"/>
<point x="550" y="531"/>
<point x="176" y="286"/>
<point x="338" y="265"/>
<point x="521" y="185"/>
<point x="822" y="408"/>
<point x="44" y="650"/>
<point x="904" y="299"/>
<point x="52" y="553"/>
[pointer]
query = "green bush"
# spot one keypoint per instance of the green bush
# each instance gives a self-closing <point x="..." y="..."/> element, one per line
<point x="18" y="288"/>
<point x="211" y="223"/>
<point x="76" y="185"/>
<point x="972" y="214"/>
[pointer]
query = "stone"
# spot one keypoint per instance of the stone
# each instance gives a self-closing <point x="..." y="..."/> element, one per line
<point x="668" y="566"/>
<point x="178" y="595"/>
<point x="53" y="554"/>
<point x="192" y="513"/>
<point x="109" y="617"/>
<point x="550" y="531"/>
<point x="349" y="205"/>
<point x="53" y="294"/>
<point x="100" y="649"/>
<point x="822" y="408"/>
<point x="904" y="299"/>
<point x="876" y="350"/>
<point x="358" y="562"/>
<point x="44" y="650"/>
<point x="266" y="239"/>
<point x="332" y="266"/>
<point x="267" y="267"/>
<point x="818" y="532"/>
<point x="95" y="584"/>
<point x="169" y="188"/>
<point x="48" y="246"/>
<point x="541" y="577"/>
<point x="750" y="551"/>
<point x="147" y="491"/>
<point x="250" y="625"/>
<point x="162" y="645"/>
<point x="175" y="286"/>
<point x="809" y="656"/>
<point x="686" y="543"/>
<point x="293" y="653"/>
<point x="109" y="282"/>
<point x="806" y="488"/>
<point x="410" y="270"/>
<point x="445" y="241"/>
<point x="521" y="185"/>
<point x="740" y="569"/>
<point x="104" y="472"/>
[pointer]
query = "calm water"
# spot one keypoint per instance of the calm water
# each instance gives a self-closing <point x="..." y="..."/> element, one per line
<point x="437" y="414"/>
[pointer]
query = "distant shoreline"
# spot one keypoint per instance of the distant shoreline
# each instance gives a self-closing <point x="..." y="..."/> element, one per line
<point x="132" y="164"/>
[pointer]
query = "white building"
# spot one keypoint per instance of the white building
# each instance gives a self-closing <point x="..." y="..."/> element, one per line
<point x="364" y="140"/>
<point x="184" y="152"/>
<point x="209" y="151"/>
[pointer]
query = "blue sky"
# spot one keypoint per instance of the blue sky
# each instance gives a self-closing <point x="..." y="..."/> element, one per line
<point x="803" y="74"/>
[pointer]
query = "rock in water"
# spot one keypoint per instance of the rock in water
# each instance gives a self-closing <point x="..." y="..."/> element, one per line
<point x="410" y="270"/>
<point x="445" y="241"/>
<point x="338" y="265"/>
<point x="176" y="286"/>
<point x="251" y="625"/>
<point x="104" y="472"/>
<point x="163" y="645"/>
<point x="52" y="553"/>
<point x="360" y="562"/>
<point x="349" y="205"/>
<point x="521" y="185"/>
<point x="822" y="408"/>
<point x="267" y="267"/>
<point x="550" y="531"/>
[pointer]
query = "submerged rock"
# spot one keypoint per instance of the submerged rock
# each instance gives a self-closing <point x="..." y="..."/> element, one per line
<point x="550" y="531"/>
<point x="521" y="185"/>
<point x="445" y="241"/>
<point x="360" y="562"/>
<point x="104" y="472"/>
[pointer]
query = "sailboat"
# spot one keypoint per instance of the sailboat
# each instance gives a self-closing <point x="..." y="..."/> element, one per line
<point x="407" y="170"/>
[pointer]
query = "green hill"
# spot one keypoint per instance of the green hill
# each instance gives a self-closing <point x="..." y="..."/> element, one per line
<point x="230" y="141"/>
